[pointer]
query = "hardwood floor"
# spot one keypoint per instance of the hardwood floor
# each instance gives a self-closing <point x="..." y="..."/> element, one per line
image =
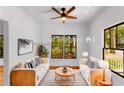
<point x="1" y="75"/>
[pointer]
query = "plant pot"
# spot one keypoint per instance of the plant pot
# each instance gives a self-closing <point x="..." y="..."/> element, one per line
<point x="44" y="56"/>
<point x="65" y="70"/>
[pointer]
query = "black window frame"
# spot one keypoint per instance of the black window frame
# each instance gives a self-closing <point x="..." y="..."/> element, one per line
<point x="63" y="47"/>
<point x="109" y="28"/>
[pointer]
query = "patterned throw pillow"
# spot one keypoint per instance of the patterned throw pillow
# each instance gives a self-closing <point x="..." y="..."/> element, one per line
<point x="36" y="61"/>
<point x="33" y="63"/>
<point x="28" y="65"/>
<point x="31" y="66"/>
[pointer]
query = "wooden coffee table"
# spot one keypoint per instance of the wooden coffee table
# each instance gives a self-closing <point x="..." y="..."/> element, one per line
<point x="66" y="78"/>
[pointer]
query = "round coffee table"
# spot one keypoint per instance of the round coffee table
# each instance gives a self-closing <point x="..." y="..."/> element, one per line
<point x="64" y="78"/>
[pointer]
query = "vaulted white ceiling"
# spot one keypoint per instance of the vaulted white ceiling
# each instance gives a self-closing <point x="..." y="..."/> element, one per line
<point x="84" y="14"/>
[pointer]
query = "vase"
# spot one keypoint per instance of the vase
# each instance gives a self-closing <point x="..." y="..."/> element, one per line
<point x="65" y="70"/>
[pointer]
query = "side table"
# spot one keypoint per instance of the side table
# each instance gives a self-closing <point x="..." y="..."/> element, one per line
<point x="104" y="83"/>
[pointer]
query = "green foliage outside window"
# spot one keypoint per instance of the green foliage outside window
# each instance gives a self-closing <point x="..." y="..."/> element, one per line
<point x="1" y="46"/>
<point x="63" y="47"/>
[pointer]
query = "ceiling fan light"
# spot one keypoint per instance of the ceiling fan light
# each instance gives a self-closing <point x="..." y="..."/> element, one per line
<point x="63" y="19"/>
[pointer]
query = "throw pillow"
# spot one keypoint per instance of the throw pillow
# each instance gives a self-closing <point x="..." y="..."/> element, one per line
<point x="36" y="61"/>
<point x="39" y="59"/>
<point x="93" y="63"/>
<point x="33" y="63"/>
<point x="89" y="63"/>
<point x="96" y="65"/>
<point x="20" y="65"/>
<point x="26" y="65"/>
<point x="31" y="66"/>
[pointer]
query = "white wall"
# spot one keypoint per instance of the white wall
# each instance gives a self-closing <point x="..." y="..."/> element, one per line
<point x="1" y="28"/>
<point x="107" y="18"/>
<point x="20" y="26"/>
<point x="49" y="29"/>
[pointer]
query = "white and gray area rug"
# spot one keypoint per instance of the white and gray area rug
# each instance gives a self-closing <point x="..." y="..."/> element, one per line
<point x="49" y="79"/>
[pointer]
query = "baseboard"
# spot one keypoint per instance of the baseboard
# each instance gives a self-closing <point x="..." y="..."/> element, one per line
<point x="73" y="67"/>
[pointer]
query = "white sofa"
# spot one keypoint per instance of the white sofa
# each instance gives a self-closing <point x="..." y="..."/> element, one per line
<point x="32" y="76"/>
<point x="92" y="74"/>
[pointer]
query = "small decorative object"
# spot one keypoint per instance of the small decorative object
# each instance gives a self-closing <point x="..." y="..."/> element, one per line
<point x="85" y="54"/>
<point x="65" y="69"/>
<point x="25" y="46"/>
<point x="43" y="52"/>
<point x="84" y="59"/>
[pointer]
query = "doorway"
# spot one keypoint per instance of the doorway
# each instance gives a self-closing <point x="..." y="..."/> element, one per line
<point x="4" y="52"/>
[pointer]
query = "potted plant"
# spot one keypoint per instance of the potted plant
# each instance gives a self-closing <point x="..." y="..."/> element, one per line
<point x="43" y="52"/>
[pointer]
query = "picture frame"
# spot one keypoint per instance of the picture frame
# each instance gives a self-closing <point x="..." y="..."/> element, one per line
<point x="25" y="46"/>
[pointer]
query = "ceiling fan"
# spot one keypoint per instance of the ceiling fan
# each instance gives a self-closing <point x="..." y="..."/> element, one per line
<point x="64" y="14"/>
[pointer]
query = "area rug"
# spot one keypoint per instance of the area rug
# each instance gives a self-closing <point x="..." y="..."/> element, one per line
<point x="49" y="79"/>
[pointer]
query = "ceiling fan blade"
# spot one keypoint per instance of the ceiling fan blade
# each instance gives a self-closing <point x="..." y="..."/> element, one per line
<point x="70" y="10"/>
<point x="71" y="17"/>
<point x="55" y="17"/>
<point x="56" y="10"/>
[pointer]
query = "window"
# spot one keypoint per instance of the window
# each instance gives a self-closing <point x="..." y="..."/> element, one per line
<point x="113" y="50"/>
<point x="115" y="59"/>
<point x="57" y="47"/>
<point x="64" y="46"/>
<point x="120" y="36"/>
<point x="70" y="47"/>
